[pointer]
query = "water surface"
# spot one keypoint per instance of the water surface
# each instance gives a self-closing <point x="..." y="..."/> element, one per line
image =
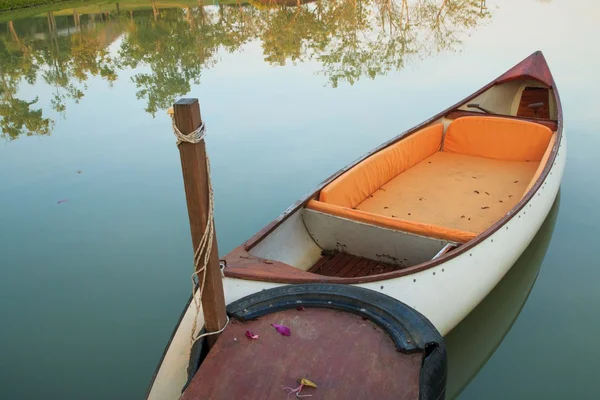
<point x="91" y="288"/>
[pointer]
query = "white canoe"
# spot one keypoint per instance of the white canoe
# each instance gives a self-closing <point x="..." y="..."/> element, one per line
<point x="435" y="217"/>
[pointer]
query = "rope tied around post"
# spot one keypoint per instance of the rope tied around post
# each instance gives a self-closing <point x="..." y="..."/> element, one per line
<point x="194" y="137"/>
<point x="203" y="250"/>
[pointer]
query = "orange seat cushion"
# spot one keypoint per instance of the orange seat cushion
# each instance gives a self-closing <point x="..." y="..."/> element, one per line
<point x="497" y="138"/>
<point x="366" y="177"/>
<point x="453" y="191"/>
<point x="542" y="165"/>
<point x="486" y="166"/>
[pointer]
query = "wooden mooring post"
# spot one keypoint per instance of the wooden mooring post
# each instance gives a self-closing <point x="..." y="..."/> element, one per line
<point x="196" y="181"/>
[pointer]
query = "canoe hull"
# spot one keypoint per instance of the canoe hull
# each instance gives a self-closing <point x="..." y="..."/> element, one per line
<point x="445" y="294"/>
<point x="444" y="289"/>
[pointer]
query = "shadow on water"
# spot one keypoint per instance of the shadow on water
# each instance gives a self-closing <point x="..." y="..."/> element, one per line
<point x="473" y="342"/>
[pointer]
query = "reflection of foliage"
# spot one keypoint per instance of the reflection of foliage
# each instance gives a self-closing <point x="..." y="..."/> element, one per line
<point x="286" y="29"/>
<point x="177" y="47"/>
<point x="63" y="61"/>
<point x="353" y="51"/>
<point x="375" y="37"/>
<point x="17" y="114"/>
<point x="355" y="38"/>
<point x="71" y="59"/>
<point x="169" y="48"/>
<point x="16" y="63"/>
<point x="448" y="20"/>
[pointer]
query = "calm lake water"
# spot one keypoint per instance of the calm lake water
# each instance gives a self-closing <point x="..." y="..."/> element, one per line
<point x="95" y="252"/>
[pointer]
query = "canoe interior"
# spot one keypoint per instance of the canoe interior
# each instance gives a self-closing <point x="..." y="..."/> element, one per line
<point x="513" y="99"/>
<point x="442" y="185"/>
<point x="533" y="95"/>
<point x="447" y="183"/>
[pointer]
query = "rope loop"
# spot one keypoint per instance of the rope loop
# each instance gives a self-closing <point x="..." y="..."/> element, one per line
<point x="193" y="137"/>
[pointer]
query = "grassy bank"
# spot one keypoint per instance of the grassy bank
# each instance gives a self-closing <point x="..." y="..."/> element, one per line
<point x="29" y="8"/>
<point x="66" y="7"/>
<point x="13" y="13"/>
<point x="16" y="5"/>
<point x="8" y="5"/>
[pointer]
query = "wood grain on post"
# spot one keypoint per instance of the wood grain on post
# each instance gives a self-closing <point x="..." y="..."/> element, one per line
<point x="196" y="182"/>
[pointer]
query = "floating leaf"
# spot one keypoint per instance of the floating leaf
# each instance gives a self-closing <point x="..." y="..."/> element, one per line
<point x="251" y="335"/>
<point x="284" y="330"/>
<point x="308" y="382"/>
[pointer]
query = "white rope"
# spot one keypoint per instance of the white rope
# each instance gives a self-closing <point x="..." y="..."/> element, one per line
<point x="193" y="137"/>
<point x="202" y="253"/>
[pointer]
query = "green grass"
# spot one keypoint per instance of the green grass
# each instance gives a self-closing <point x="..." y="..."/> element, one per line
<point x="29" y="8"/>
<point x="7" y="5"/>
<point x="19" y="9"/>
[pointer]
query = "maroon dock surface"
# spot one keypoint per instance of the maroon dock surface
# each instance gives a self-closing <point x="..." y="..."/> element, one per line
<point x="346" y="356"/>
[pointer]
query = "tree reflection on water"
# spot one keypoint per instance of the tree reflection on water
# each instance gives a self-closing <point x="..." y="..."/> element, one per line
<point x="350" y="39"/>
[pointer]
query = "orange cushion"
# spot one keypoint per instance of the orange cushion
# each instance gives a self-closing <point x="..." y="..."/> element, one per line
<point x="454" y="191"/>
<point x="355" y="185"/>
<point x="418" y="228"/>
<point x="542" y="165"/>
<point x="497" y="138"/>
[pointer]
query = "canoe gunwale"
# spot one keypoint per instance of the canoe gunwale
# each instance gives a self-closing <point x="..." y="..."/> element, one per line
<point x="533" y="67"/>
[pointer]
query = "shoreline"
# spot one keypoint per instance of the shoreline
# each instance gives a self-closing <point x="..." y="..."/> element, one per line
<point x="27" y="4"/>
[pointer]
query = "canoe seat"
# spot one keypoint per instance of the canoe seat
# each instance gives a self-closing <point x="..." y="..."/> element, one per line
<point x="486" y="166"/>
<point x="351" y="188"/>
<point x="497" y="138"/>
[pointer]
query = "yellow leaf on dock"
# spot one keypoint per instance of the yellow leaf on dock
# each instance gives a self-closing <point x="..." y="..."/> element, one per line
<point x="307" y="382"/>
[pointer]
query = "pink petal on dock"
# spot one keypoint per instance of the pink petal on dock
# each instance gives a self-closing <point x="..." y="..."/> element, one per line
<point x="251" y="335"/>
<point x="63" y="201"/>
<point x="284" y="330"/>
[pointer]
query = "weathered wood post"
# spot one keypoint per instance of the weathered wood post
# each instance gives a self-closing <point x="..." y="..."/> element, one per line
<point x="196" y="182"/>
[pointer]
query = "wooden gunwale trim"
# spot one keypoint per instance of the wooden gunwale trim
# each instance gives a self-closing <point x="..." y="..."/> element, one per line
<point x="246" y="273"/>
